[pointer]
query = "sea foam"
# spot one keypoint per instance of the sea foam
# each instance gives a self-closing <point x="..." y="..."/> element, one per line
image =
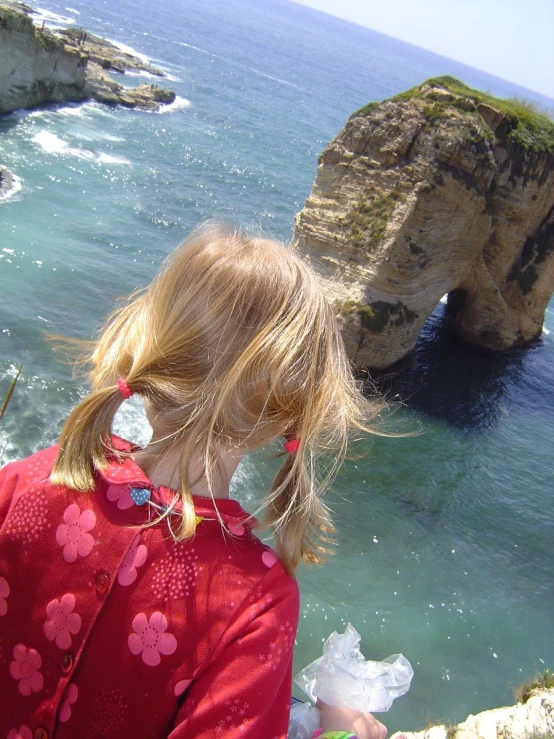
<point x="15" y="188"/>
<point x="52" y="144"/>
<point x="178" y="104"/>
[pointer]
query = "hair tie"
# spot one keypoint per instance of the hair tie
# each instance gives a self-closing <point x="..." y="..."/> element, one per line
<point x="291" y="446"/>
<point x="124" y="389"/>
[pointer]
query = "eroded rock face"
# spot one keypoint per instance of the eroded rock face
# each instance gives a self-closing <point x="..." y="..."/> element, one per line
<point x="38" y="67"/>
<point x="428" y="196"/>
<point x="35" y="69"/>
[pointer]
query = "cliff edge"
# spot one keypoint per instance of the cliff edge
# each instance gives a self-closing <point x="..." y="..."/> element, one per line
<point x="40" y="66"/>
<point x="532" y="719"/>
<point x="442" y="190"/>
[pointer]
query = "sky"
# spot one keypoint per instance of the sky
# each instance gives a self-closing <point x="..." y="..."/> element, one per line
<point x="512" y="39"/>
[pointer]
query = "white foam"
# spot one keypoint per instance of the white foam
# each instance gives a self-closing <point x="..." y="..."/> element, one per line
<point x="131" y="422"/>
<point x="72" y="10"/>
<point x="52" y="144"/>
<point x="41" y="15"/>
<point x="15" y="188"/>
<point x="275" y="79"/>
<point x="141" y="73"/>
<point x="110" y="159"/>
<point x="129" y="50"/>
<point x="197" y="48"/>
<point x="178" y="104"/>
<point x="77" y="110"/>
<point x="546" y="331"/>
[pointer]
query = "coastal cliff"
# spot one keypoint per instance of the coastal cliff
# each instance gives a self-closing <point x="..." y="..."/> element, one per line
<point x="440" y="191"/>
<point x="40" y="66"/>
<point x="532" y="719"/>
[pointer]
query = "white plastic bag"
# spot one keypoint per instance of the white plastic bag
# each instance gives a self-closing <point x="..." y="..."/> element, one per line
<point x="342" y="677"/>
<point x="304" y="720"/>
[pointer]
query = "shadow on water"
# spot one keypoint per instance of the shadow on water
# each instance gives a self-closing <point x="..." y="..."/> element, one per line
<point x="446" y="378"/>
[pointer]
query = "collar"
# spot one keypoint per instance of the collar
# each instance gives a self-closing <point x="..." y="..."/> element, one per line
<point x="122" y="470"/>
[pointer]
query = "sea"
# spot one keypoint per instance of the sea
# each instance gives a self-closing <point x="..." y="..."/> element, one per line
<point x="445" y="536"/>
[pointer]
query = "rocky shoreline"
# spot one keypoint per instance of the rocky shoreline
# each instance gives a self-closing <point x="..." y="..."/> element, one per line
<point x="532" y="719"/>
<point x="39" y="66"/>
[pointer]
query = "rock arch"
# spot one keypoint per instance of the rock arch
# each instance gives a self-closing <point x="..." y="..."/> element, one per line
<point x="411" y="203"/>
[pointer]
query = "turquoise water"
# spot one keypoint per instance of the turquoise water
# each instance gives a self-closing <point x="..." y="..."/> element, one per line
<point x="446" y="537"/>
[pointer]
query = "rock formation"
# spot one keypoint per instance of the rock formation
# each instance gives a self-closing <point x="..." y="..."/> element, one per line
<point x="441" y="190"/>
<point x="533" y="719"/>
<point x="39" y="66"/>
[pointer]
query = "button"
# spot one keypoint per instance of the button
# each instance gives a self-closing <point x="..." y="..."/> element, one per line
<point x="67" y="662"/>
<point x="40" y="733"/>
<point x="102" y="582"/>
<point x="140" y="496"/>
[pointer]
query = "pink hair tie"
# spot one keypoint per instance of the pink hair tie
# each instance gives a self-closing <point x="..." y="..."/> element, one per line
<point x="124" y="389"/>
<point x="291" y="446"/>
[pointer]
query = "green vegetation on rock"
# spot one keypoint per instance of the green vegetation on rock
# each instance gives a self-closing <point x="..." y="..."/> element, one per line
<point x="368" y="219"/>
<point x="526" y="124"/>
<point x="376" y="316"/>
<point x="541" y="681"/>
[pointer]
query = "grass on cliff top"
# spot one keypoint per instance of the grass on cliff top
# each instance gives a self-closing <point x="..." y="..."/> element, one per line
<point x="529" y="126"/>
<point x="542" y="681"/>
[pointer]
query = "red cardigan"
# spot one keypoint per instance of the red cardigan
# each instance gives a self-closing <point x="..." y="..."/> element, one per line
<point x="108" y="629"/>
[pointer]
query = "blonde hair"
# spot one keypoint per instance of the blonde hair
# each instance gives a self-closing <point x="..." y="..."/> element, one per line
<point x="233" y="345"/>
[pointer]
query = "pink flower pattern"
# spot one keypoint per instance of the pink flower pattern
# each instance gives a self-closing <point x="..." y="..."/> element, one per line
<point x="4" y="592"/>
<point x="150" y="638"/>
<point x="23" y="733"/>
<point x="135" y="557"/>
<point x="121" y="494"/>
<point x="25" y="668"/>
<point x="70" y="698"/>
<point x="269" y="558"/>
<point x="61" y="621"/>
<point x="72" y="534"/>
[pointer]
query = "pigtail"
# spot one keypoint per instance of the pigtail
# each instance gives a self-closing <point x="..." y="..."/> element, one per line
<point x="296" y="514"/>
<point x="86" y="439"/>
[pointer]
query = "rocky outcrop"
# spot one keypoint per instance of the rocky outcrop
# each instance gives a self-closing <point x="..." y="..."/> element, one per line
<point x="533" y="719"/>
<point x="38" y="66"/>
<point x="6" y="183"/>
<point x="442" y="190"/>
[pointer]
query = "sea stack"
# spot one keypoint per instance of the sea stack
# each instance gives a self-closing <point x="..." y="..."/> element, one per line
<point x="442" y="190"/>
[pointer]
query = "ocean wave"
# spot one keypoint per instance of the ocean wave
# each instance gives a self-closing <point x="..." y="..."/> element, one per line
<point x="275" y="79"/>
<point x="141" y="73"/>
<point x="129" y="50"/>
<point x="72" y="10"/>
<point x="15" y="188"/>
<point x="111" y="159"/>
<point x="178" y="104"/>
<point x="131" y="422"/>
<point x="75" y="110"/>
<point x="52" y="144"/>
<point x="41" y="15"/>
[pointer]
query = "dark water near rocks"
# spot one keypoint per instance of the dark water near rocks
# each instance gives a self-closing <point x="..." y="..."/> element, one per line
<point x="446" y="536"/>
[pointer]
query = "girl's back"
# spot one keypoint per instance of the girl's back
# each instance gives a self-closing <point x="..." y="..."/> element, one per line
<point x="107" y="626"/>
<point x="134" y="598"/>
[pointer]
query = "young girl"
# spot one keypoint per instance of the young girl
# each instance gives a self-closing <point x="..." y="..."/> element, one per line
<point x="135" y="599"/>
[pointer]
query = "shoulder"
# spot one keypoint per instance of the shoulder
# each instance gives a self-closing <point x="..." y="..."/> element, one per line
<point x="35" y="468"/>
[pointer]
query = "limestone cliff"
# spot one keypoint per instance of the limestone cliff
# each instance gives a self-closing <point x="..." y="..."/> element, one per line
<point x="441" y="190"/>
<point x="533" y="719"/>
<point x="38" y="66"/>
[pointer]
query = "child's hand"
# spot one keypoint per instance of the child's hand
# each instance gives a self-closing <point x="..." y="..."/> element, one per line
<point x="364" y="725"/>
